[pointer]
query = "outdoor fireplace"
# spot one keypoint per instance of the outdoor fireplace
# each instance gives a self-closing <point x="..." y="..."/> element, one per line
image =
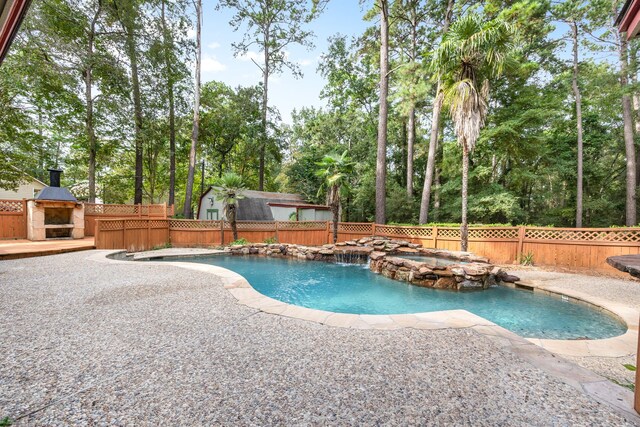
<point x="55" y="213"/>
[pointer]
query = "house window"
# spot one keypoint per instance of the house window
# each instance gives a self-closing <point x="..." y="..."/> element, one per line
<point x="212" y="214"/>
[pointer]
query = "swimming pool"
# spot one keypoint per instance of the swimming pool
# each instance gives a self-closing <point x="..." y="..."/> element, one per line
<point x="348" y="288"/>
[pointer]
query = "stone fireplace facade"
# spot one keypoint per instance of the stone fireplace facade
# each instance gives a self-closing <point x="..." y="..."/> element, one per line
<point x="52" y="219"/>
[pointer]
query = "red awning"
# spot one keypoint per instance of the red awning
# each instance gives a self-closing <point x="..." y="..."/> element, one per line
<point x="11" y="15"/>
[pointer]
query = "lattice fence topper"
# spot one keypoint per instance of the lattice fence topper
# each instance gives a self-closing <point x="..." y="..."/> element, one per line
<point x="607" y="235"/>
<point x="302" y="225"/>
<point x="345" y="227"/>
<point x="451" y="233"/>
<point x="194" y="224"/>
<point x="253" y="225"/>
<point x="12" y="206"/>
<point x="136" y="223"/>
<point x="158" y="223"/>
<point x="112" y="209"/>
<point x="111" y="224"/>
<point x="493" y="233"/>
<point x="404" y="231"/>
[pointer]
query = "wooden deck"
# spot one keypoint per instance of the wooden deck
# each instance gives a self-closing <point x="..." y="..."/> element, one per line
<point x="14" y="249"/>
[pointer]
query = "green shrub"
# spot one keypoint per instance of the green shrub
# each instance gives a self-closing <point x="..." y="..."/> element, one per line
<point x="241" y="241"/>
<point x="270" y="240"/>
<point x="526" y="259"/>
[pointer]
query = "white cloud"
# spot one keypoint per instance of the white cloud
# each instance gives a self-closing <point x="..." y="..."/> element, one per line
<point x="211" y="64"/>
<point x="191" y="33"/>
<point x="213" y="45"/>
<point x="251" y="55"/>
<point x="306" y="62"/>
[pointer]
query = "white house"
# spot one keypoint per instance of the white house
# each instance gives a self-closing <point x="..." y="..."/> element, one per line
<point x="28" y="188"/>
<point x="264" y="206"/>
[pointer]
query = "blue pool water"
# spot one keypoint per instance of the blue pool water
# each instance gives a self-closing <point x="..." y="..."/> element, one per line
<point x="348" y="288"/>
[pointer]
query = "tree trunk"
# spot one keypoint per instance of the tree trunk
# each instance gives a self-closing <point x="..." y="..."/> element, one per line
<point x="265" y="106"/>
<point x="172" y="110"/>
<point x="578" y="99"/>
<point x="232" y="220"/>
<point x="628" y="136"/>
<point x="464" y="227"/>
<point x="411" y="136"/>
<point x="381" y="157"/>
<point x="132" y="53"/>
<point x="411" y="125"/>
<point x="88" y="84"/>
<point x="196" y="117"/>
<point x="335" y="210"/>
<point x="431" y="158"/>
<point x="435" y="130"/>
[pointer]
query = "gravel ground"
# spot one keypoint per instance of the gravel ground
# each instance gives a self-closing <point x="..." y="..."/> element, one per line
<point x="83" y="342"/>
<point x="623" y="291"/>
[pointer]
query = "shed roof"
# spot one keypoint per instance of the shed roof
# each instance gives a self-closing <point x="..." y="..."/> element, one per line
<point x="255" y="204"/>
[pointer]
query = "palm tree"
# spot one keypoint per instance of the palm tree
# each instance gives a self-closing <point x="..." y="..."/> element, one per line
<point x="335" y="171"/>
<point x="471" y="53"/>
<point x="229" y="189"/>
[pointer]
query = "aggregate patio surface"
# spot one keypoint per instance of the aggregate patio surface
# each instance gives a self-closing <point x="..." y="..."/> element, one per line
<point x="83" y="342"/>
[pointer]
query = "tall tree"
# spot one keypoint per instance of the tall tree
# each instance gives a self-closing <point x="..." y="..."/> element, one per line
<point x="381" y="153"/>
<point x="629" y="144"/>
<point x="229" y="188"/>
<point x="335" y="171"/>
<point x="187" y="209"/>
<point x="435" y="130"/>
<point x="273" y="26"/>
<point x="127" y="14"/>
<point x="409" y="40"/>
<point x="470" y="54"/>
<point x="167" y="41"/>
<point x="573" y="13"/>
<point x="578" y="102"/>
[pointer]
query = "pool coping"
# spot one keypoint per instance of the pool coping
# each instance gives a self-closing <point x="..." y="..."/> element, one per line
<point x="538" y="352"/>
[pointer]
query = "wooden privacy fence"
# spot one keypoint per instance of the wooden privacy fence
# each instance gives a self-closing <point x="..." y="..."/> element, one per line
<point x="584" y="248"/>
<point x="13" y="219"/>
<point x="185" y="233"/>
<point x="131" y="234"/>
<point x="93" y="211"/>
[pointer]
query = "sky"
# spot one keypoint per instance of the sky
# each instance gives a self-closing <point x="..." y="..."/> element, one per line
<point x="285" y="92"/>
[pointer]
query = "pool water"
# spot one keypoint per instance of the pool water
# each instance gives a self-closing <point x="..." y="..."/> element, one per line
<point x="348" y="288"/>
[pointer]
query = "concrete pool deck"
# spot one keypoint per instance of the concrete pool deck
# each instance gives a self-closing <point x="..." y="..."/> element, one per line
<point x="91" y="340"/>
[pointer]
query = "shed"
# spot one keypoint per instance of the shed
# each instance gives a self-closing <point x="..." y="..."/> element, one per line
<point x="262" y="206"/>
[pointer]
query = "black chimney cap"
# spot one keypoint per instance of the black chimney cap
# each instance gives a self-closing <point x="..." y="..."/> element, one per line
<point x="54" y="177"/>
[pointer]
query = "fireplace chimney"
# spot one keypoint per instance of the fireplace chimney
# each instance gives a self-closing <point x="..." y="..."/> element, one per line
<point x="54" y="191"/>
<point x="54" y="177"/>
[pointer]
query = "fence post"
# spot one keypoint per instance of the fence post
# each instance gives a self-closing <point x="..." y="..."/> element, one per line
<point x="124" y="234"/>
<point x="277" y="237"/>
<point x="521" y="234"/>
<point x="164" y="209"/>
<point x="148" y="234"/>
<point x="434" y="232"/>
<point x="373" y="229"/>
<point x="328" y="233"/>
<point x="25" y="218"/>
<point x="222" y="232"/>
